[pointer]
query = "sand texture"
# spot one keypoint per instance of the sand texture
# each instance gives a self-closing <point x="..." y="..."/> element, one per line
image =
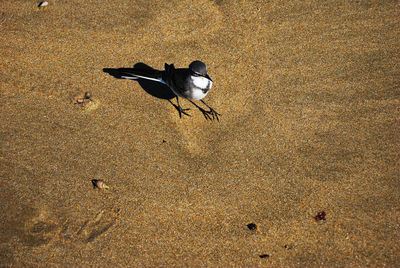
<point x="309" y="97"/>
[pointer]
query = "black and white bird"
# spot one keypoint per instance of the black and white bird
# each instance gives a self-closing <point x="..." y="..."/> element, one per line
<point x="191" y="83"/>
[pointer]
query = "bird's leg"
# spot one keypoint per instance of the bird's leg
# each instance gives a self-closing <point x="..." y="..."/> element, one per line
<point x="207" y="114"/>
<point x="179" y="108"/>
<point x="212" y="111"/>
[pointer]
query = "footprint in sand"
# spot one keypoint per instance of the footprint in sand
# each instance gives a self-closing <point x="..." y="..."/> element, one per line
<point x="39" y="229"/>
<point x="91" y="229"/>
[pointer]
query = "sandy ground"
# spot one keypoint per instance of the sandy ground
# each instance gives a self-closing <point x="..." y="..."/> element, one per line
<point x="309" y="97"/>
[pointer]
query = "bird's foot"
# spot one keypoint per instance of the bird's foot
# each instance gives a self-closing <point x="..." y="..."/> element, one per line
<point x="214" y="113"/>
<point x="209" y="115"/>
<point x="181" y="111"/>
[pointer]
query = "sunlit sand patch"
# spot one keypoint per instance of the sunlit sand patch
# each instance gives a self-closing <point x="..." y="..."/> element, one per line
<point x="191" y="132"/>
<point x="177" y="22"/>
<point x="93" y="105"/>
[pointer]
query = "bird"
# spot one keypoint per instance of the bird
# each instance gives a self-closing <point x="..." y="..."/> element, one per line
<point x="191" y="83"/>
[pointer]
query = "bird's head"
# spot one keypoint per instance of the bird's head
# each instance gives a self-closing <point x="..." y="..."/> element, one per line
<point x="198" y="68"/>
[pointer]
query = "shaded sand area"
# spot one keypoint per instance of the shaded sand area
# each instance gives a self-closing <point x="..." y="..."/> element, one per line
<point x="309" y="97"/>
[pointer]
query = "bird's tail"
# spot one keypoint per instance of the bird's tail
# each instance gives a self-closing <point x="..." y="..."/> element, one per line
<point x="135" y="74"/>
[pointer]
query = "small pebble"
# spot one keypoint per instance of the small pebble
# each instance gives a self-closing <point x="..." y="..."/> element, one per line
<point x="81" y="100"/>
<point x="252" y="226"/>
<point x="99" y="184"/>
<point x="84" y="99"/>
<point x="43" y="4"/>
<point x="287" y="247"/>
<point x="320" y="216"/>
<point x="263" y="256"/>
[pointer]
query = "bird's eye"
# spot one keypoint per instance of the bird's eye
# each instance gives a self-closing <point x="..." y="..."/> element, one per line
<point x="196" y="73"/>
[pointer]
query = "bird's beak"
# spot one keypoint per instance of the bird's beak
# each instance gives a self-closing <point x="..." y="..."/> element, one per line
<point x="208" y="77"/>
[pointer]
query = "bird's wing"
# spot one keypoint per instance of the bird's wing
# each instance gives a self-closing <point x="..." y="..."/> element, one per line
<point x="135" y="74"/>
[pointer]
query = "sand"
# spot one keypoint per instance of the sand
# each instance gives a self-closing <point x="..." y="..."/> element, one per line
<point x="309" y="97"/>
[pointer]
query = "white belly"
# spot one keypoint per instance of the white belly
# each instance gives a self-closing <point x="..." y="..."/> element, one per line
<point x="201" y="82"/>
<point x="198" y="94"/>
